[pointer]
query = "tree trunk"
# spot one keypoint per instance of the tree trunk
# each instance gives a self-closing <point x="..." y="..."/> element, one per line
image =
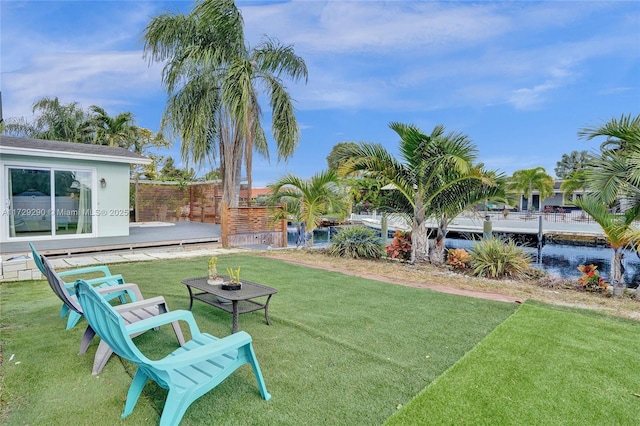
<point x="228" y="173"/>
<point x="437" y="254"/>
<point x="248" y="158"/>
<point x="420" y="243"/>
<point x="617" y="269"/>
<point x="231" y="162"/>
<point x="237" y="181"/>
<point x="419" y="235"/>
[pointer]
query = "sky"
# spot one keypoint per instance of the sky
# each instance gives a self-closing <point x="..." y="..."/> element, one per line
<point x="520" y="79"/>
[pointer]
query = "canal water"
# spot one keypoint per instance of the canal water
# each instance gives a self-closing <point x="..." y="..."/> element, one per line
<point x="562" y="260"/>
<point x="558" y="260"/>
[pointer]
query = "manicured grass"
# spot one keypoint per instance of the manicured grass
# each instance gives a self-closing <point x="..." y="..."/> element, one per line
<point x="341" y="350"/>
<point x="541" y="366"/>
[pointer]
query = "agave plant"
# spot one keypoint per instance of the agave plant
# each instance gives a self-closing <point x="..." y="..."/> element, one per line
<point x="357" y="242"/>
<point x="495" y="258"/>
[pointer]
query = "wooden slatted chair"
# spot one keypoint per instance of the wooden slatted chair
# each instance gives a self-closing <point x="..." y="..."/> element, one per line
<point x="107" y="279"/>
<point x="131" y="313"/>
<point x="188" y="372"/>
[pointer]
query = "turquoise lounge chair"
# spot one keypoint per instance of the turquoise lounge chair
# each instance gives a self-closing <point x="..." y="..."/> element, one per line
<point x="130" y="312"/>
<point x="108" y="279"/>
<point x="188" y="372"/>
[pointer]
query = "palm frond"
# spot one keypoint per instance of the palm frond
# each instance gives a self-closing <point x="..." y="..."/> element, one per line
<point x="608" y="176"/>
<point x="619" y="132"/>
<point x="272" y="57"/>
<point x="284" y="125"/>
<point x="612" y="225"/>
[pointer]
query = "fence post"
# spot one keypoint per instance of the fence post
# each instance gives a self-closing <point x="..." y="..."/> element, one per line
<point x="487" y="227"/>
<point x="284" y="229"/>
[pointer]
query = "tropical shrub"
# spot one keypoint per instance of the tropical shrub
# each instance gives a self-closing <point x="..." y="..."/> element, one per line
<point x="400" y="248"/>
<point x="591" y="279"/>
<point x="495" y="258"/>
<point x="356" y="242"/>
<point x="458" y="258"/>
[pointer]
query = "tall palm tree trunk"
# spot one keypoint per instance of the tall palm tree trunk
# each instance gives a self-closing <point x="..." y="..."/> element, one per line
<point x="231" y="163"/>
<point x="436" y="256"/>
<point x="617" y="269"/>
<point x="237" y="181"/>
<point x="419" y="235"/>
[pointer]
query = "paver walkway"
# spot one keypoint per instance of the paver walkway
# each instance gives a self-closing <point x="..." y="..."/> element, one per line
<point x="137" y="256"/>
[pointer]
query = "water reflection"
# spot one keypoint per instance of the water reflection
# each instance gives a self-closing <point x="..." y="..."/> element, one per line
<point x="321" y="236"/>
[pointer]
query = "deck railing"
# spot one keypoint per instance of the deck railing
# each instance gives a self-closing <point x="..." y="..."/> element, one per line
<point x="573" y="216"/>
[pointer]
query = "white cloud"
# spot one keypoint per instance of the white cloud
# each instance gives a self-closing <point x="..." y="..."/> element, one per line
<point x="93" y="57"/>
<point x="528" y="97"/>
<point x="359" y="26"/>
<point x="427" y="55"/>
<point x="104" y="78"/>
<point x="616" y="90"/>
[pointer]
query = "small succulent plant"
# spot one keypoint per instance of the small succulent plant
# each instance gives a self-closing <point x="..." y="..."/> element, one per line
<point x="234" y="275"/>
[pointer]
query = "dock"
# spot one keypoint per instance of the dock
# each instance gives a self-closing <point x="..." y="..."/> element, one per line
<point x="563" y="229"/>
<point x="532" y="228"/>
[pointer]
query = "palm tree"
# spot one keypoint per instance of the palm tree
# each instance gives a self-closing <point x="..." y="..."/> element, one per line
<point x="112" y="131"/>
<point x="54" y="121"/>
<point x="307" y="201"/>
<point x="435" y="179"/>
<point x="575" y="180"/>
<point x="213" y="78"/>
<point x="526" y="181"/>
<point x="617" y="228"/>
<point x="614" y="177"/>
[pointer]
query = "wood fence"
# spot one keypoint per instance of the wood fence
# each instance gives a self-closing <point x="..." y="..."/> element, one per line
<point x="246" y="226"/>
<point x="172" y="202"/>
<point x="202" y="202"/>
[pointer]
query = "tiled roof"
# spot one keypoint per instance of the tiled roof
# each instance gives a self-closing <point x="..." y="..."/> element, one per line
<point x="42" y="147"/>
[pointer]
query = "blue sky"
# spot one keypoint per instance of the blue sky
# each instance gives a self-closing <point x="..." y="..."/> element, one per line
<point x="519" y="78"/>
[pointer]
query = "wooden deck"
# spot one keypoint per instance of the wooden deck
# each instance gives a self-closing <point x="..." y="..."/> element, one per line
<point x="153" y="236"/>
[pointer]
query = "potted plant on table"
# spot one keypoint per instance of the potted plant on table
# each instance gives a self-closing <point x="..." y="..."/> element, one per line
<point x="234" y="282"/>
<point x="213" y="277"/>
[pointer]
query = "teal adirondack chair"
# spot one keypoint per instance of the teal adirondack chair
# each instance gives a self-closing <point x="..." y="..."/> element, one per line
<point x="108" y="279"/>
<point x="188" y="372"/>
<point x="130" y="312"/>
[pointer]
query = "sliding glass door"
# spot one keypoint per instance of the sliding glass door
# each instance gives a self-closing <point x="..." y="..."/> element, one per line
<point x="49" y="202"/>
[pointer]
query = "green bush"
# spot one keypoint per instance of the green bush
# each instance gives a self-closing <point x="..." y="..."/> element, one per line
<point x="495" y="258"/>
<point x="356" y="242"/>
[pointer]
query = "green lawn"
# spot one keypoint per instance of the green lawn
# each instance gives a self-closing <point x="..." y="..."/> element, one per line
<point x="341" y="350"/>
<point x="541" y="366"/>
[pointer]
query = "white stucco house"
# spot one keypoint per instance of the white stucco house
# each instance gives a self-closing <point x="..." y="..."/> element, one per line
<point x="57" y="190"/>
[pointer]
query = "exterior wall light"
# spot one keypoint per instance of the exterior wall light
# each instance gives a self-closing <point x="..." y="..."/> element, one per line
<point x="103" y="182"/>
